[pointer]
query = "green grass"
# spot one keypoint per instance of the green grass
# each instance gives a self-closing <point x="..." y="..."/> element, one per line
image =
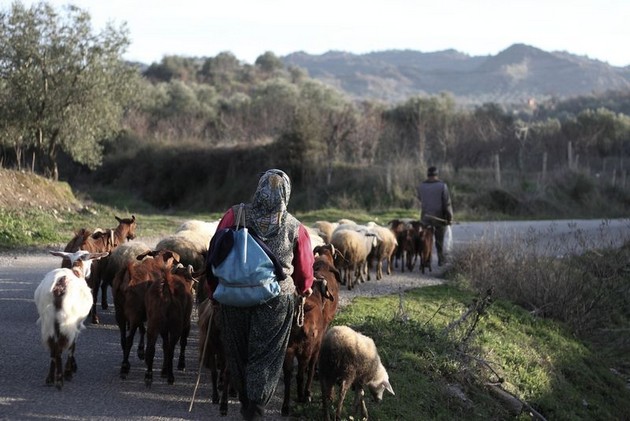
<point x="536" y="360"/>
<point x="39" y="228"/>
<point x="34" y="228"/>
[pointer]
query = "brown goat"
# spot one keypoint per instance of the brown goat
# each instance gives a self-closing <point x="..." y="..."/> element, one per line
<point x="169" y="302"/>
<point x="399" y="228"/>
<point x="414" y="243"/>
<point x="211" y="351"/>
<point x="305" y="341"/>
<point x="101" y="241"/>
<point x="130" y="286"/>
<point x="428" y="231"/>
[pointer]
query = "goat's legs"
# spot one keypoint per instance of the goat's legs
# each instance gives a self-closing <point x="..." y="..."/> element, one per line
<point x="104" y="304"/>
<point x="94" y="283"/>
<point x="169" y="341"/>
<point x="150" y="354"/>
<point x="287" y="368"/>
<point x="71" y="364"/>
<point x="183" y="342"/>
<point x="55" y="376"/>
<point x="302" y="367"/>
<point x="310" y="375"/>
<point x="142" y="330"/>
<point x="128" y="343"/>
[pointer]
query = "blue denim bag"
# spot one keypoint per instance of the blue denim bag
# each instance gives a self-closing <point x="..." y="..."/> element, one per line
<point x="247" y="275"/>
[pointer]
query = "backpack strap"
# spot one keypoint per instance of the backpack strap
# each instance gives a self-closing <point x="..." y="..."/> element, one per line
<point x="239" y="218"/>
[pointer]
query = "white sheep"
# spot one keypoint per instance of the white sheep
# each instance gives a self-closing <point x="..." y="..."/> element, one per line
<point x="385" y="248"/>
<point x="346" y="221"/>
<point x="354" y="245"/>
<point x="316" y="238"/>
<point x="350" y="359"/>
<point x="190" y="241"/>
<point x="325" y="229"/>
<point x="63" y="301"/>
<point x="205" y="229"/>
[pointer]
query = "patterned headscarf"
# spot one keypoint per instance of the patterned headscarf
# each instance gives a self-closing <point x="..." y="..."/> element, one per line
<point x="269" y="204"/>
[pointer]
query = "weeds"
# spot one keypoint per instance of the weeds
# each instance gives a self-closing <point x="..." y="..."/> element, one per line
<point x="553" y="274"/>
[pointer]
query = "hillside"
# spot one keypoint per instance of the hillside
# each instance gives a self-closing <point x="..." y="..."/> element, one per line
<point x="514" y="75"/>
<point x="21" y="190"/>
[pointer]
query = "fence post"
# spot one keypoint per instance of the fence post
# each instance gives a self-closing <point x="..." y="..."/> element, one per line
<point x="543" y="177"/>
<point x="497" y="169"/>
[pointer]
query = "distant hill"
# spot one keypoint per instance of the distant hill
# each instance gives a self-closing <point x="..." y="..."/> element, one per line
<point x="515" y="75"/>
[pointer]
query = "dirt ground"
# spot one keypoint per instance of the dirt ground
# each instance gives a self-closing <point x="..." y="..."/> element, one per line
<point x="21" y="189"/>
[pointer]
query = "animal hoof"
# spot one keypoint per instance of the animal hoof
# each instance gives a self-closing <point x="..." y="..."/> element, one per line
<point x="95" y="320"/>
<point x="104" y="306"/>
<point x="124" y="371"/>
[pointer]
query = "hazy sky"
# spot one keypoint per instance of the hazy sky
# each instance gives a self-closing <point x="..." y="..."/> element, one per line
<point x="599" y="29"/>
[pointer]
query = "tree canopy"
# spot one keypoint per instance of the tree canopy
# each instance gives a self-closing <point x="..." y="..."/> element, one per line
<point x="63" y="88"/>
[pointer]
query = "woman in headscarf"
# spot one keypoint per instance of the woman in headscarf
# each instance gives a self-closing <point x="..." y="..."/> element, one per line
<point x="256" y="338"/>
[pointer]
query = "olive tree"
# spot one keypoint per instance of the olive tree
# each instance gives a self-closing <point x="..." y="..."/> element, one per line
<point x="64" y="88"/>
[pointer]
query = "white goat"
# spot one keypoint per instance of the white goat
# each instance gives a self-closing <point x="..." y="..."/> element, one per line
<point x="63" y="301"/>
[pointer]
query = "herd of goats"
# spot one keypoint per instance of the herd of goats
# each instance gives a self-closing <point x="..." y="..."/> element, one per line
<point x="154" y="289"/>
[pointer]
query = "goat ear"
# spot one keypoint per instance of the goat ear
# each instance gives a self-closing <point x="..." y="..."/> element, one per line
<point x="329" y="296"/>
<point x="337" y="274"/>
<point x="145" y="254"/>
<point x="59" y="253"/>
<point x="94" y="256"/>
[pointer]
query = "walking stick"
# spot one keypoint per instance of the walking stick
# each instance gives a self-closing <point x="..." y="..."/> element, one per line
<point x="440" y="219"/>
<point x="203" y="355"/>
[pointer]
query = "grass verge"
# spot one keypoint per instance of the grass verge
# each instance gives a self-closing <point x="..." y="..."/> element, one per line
<point x="441" y="369"/>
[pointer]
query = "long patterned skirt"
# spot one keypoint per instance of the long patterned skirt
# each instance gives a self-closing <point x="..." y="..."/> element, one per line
<point x="255" y="340"/>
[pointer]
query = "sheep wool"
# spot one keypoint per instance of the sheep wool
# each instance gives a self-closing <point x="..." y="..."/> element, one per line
<point x="350" y="358"/>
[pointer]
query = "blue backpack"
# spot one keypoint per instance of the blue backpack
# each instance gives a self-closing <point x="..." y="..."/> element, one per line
<point x="246" y="270"/>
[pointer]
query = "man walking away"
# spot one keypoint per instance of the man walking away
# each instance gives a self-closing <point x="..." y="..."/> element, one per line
<point x="436" y="208"/>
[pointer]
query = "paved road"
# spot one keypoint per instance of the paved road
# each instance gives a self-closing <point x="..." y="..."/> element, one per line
<point x="97" y="392"/>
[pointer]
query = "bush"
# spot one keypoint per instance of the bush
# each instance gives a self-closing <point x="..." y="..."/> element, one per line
<point x="587" y="291"/>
